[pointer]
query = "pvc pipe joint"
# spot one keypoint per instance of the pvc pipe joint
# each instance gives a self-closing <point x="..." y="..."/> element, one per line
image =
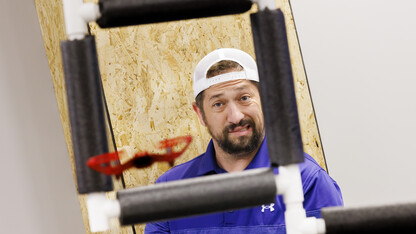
<point x="101" y="210"/>
<point x="312" y="225"/>
<point x="262" y="4"/>
<point x="90" y="12"/>
<point x="77" y="15"/>
<point x="289" y="184"/>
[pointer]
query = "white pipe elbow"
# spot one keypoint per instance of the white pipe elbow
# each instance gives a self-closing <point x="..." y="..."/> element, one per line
<point x="101" y="210"/>
<point x="289" y="184"/>
<point x="77" y="15"/>
<point x="263" y="4"/>
<point x="313" y="225"/>
<point x="90" y="12"/>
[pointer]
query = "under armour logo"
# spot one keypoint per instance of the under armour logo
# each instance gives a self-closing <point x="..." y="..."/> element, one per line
<point x="267" y="207"/>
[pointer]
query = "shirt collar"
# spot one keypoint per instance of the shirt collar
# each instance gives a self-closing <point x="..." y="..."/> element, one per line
<point x="208" y="164"/>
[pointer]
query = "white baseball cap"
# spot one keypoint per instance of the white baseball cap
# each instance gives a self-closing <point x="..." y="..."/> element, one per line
<point x="201" y="82"/>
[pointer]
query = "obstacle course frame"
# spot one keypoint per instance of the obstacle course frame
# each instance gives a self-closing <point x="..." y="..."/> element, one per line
<point x="265" y="30"/>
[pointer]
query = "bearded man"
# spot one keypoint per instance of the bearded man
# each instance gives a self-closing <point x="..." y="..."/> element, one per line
<point x="227" y="102"/>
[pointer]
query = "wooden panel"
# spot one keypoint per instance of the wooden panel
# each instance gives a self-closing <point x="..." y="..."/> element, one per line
<point x="310" y="134"/>
<point x="147" y="77"/>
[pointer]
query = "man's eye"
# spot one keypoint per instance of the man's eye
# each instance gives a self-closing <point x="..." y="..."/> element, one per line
<point x="217" y="104"/>
<point x="245" y="98"/>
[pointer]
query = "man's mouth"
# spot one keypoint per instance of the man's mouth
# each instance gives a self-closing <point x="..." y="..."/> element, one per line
<point x="240" y="130"/>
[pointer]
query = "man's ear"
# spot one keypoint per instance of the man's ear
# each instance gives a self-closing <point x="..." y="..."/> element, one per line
<point x="199" y="113"/>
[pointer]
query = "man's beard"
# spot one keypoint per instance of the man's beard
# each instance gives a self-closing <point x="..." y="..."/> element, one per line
<point x="242" y="144"/>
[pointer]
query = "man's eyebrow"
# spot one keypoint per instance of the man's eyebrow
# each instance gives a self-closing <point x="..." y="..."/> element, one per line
<point x="215" y="96"/>
<point x="240" y="88"/>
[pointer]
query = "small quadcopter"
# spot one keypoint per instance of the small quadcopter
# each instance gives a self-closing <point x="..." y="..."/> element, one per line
<point x="109" y="163"/>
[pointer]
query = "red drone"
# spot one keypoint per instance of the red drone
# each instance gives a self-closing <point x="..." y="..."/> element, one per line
<point x="109" y="163"/>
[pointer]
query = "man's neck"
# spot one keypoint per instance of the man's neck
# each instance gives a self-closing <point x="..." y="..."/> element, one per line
<point x="231" y="162"/>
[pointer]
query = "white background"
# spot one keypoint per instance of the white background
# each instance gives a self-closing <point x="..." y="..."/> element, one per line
<point x="38" y="192"/>
<point x="361" y="66"/>
<point x="360" y="61"/>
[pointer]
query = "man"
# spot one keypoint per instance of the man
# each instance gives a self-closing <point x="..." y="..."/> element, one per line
<point x="228" y="104"/>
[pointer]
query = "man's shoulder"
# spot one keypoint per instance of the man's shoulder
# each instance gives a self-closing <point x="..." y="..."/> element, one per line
<point x="313" y="173"/>
<point x="310" y="162"/>
<point x="319" y="188"/>
<point x="310" y="167"/>
<point x="185" y="170"/>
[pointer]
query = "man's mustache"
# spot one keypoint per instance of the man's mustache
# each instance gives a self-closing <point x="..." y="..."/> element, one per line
<point x="242" y="123"/>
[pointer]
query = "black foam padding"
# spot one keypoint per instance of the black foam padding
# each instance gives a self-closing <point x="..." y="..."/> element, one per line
<point x="277" y="88"/>
<point x="377" y="219"/>
<point x="212" y="193"/>
<point x="86" y="112"/>
<point x="117" y="13"/>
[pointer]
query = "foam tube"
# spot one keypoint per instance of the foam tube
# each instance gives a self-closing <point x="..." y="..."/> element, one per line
<point x="195" y="196"/>
<point x="377" y="219"/>
<point x="117" y="13"/>
<point x="86" y="112"/>
<point x="277" y="88"/>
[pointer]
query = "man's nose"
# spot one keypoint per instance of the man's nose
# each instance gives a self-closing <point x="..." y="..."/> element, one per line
<point x="234" y="114"/>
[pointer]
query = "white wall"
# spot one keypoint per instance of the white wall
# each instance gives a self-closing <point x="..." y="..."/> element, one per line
<point x="38" y="192"/>
<point x="361" y="66"/>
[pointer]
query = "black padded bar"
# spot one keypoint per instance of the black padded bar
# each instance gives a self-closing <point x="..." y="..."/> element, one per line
<point x="277" y="88"/>
<point x="378" y="219"/>
<point x="117" y="13"/>
<point x="196" y="196"/>
<point x="86" y="111"/>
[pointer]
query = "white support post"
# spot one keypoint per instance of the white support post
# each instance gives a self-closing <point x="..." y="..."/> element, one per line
<point x="101" y="210"/>
<point x="262" y="4"/>
<point x="77" y="15"/>
<point x="90" y="12"/>
<point x="289" y="184"/>
<point x="313" y="225"/>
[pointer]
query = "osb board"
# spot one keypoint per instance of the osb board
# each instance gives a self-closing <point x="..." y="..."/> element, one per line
<point x="147" y="77"/>
<point x="309" y="128"/>
<point x="51" y="21"/>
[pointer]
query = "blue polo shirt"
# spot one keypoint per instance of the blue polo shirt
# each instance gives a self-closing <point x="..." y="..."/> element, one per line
<point x="320" y="191"/>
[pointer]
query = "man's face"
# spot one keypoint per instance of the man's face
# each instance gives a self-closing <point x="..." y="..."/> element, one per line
<point x="233" y="115"/>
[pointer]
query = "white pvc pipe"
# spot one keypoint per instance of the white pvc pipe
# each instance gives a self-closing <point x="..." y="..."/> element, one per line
<point x="90" y="12"/>
<point x="262" y="4"/>
<point x="76" y="28"/>
<point x="77" y="15"/>
<point x="320" y="226"/>
<point x="101" y="210"/>
<point x="289" y="184"/>
<point x="313" y="225"/>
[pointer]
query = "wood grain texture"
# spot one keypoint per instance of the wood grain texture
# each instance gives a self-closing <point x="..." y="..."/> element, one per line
<point x="147" y="78"/>
<point x="310" y="134"/>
